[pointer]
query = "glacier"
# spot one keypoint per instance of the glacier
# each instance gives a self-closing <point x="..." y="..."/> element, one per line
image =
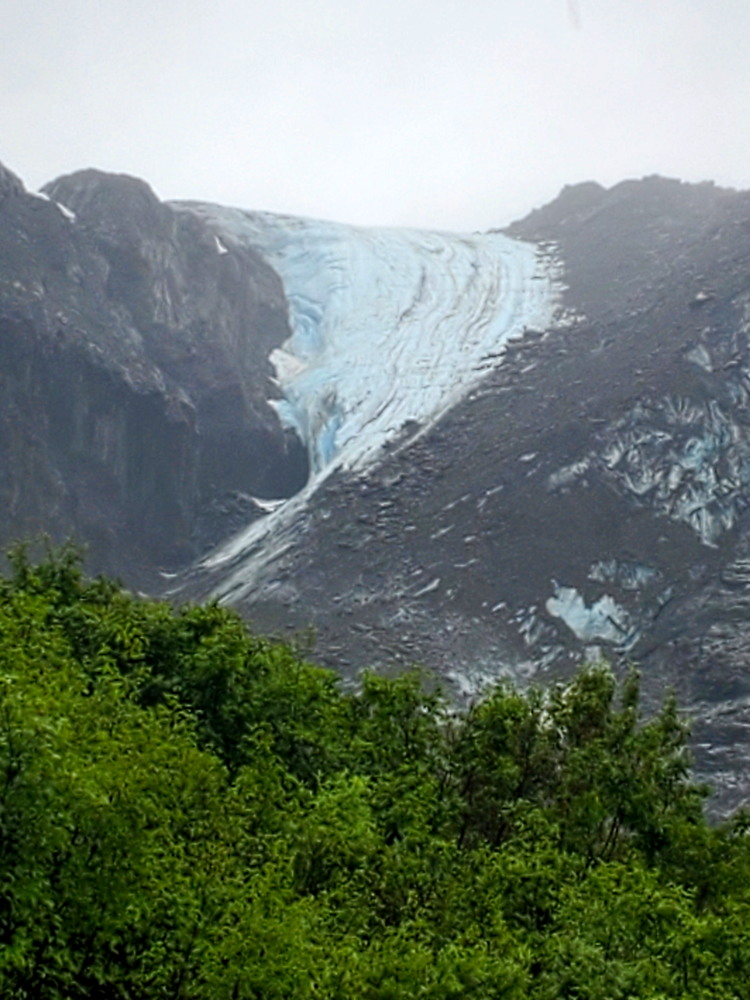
<point x="391" y="328"/>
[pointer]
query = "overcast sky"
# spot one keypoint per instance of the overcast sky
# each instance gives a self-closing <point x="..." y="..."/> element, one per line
<point x="450" y="114"/>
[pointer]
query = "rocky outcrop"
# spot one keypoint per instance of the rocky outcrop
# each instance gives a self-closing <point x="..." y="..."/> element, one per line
<point x="135" y="382"/>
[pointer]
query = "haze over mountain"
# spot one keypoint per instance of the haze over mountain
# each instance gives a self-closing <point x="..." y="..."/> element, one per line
<point x="492" y="454"/>
<point x="424" y="113"/>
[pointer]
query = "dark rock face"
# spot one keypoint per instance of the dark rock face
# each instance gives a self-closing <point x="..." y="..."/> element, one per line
<point x="135" y="385"/>
<point x="592" y="496"/>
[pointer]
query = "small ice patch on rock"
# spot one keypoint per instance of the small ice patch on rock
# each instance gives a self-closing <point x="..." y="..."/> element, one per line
<point x="70" y="216"/>
<point x="568" y="474"/>
<point x="699" y="355"/>
<point x="605" y="619"/>
<point x="625" y="574"/>
<point x="432" y="586"/>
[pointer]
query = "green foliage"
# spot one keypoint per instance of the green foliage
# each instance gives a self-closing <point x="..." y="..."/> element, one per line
<point x="191" y="811"/>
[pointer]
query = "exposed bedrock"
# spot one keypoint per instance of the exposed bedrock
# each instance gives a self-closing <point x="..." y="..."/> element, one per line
<point x="136" y="383"/>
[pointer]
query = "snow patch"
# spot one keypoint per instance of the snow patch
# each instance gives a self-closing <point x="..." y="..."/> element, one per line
<point x="70" y="216"/>
<point x="41" y="196"/>
<point x="268" y="506"/>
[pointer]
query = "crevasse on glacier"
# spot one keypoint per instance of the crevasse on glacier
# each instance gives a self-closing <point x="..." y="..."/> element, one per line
<point x="389" y="326"/>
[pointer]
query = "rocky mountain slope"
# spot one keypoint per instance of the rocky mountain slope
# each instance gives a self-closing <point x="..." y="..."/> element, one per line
<point x="589" y="496"/>
<point x="134" y="375"/>
<point x="526" y="448"/>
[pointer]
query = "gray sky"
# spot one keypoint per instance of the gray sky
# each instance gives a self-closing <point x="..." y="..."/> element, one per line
<point x="451" y="114"/>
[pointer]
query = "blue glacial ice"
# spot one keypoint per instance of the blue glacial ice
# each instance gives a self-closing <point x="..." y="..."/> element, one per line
<point x="389" y="326"/>
<point x="687" y="458"/>
<point x="602" y="620"/>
